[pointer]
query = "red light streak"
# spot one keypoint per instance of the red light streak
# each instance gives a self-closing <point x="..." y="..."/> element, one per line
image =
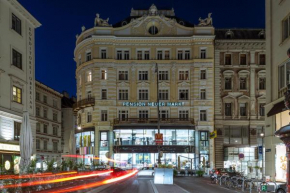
<point x="35" y="175"/>
<point x="94" y="184"/>
<point x="41" y="182"/>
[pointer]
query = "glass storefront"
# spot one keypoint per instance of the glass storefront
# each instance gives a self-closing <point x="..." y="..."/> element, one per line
<point x="140" y="160"/>
<point x="147" y="136"/>
<point x="281" y="163"/>
<point x="85" y="142"/>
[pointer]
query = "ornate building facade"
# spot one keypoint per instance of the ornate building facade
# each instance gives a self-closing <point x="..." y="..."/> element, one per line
<point x="118" y="68"/>
<point x="17" y="78"/>
<point x="240" y="97"/>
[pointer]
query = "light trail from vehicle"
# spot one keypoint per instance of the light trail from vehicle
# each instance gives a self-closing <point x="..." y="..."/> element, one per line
<point x="51" y="181"/>
<point x="49" y="174"/>
<point x="94" y="184"/>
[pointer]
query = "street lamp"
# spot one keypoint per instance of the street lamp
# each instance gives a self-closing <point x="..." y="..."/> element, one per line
<point x="262" y="134"/>
<point x="158" y="127"/>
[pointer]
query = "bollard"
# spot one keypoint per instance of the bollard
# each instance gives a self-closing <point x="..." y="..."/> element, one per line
<point x="243" y="185"/>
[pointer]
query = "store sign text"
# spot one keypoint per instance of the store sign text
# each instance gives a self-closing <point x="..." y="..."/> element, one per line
<point x="9" y="147"/>
<point x="153" y="104"/>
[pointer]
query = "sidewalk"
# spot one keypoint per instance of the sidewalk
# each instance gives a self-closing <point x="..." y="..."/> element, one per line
<point x="166" y="188"/>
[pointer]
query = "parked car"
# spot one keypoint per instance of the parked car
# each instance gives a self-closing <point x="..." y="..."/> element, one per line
<point x="281" y="188"/>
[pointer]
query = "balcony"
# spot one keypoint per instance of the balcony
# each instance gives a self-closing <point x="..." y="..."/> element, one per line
<point x="89" y="102"/>
<point x="153" y="121"/>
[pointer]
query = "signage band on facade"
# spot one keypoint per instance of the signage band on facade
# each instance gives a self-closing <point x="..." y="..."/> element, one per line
<point x="9" y="147"/>
<point x="153" y="104"/>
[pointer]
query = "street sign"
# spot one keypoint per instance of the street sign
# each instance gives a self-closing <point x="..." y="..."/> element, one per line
<point x="264" y="188"/>
<point x="260" y="149"/>
<point x="159" y="138"/>
<point x="268" y="150"/>
<point x="241" y="156"/>
<point x="213" y="134"/>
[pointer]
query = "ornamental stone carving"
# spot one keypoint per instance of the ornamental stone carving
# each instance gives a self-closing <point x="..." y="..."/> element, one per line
<point x="153" y="10"/>
<point x="205" y="22"/>
<point x="101" y="22"/>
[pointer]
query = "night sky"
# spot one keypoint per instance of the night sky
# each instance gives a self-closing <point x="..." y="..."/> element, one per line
<point x="62" y="19"/>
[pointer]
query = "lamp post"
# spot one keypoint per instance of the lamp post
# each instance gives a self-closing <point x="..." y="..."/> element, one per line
<point x="158" y="113"/>
<point x="262" y="136"/>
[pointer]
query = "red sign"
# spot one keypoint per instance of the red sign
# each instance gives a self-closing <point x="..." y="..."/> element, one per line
<point x="159" y="138"/>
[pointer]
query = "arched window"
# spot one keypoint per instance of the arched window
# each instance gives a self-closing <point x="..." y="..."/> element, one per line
<point x="153" y="30"/>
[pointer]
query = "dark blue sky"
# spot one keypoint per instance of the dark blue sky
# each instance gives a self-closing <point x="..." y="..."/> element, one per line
<point x="62" y="19"/>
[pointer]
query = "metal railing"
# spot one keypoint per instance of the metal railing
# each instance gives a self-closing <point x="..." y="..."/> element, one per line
<point x="153" y="121"/>
<point x="88" y="102"/>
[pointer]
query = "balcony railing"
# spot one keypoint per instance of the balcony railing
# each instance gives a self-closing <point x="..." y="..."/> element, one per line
<point x="89" y="102"/>
<point x="153" y="121"/>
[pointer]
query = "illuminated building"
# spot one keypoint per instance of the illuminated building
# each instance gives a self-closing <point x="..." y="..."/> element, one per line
<point x="117" y="88"/>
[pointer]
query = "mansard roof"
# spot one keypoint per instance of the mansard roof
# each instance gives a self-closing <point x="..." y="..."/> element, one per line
<point x="240" y="34"/>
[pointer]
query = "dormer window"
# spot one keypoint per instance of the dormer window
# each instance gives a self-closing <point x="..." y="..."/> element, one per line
<point x="153" y="30"/>
<point x="229" y="34"/>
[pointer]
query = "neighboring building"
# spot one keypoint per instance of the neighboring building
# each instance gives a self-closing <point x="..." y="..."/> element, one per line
<point x="278" y="65"/>
<point x="240" y="97"/>
<point x="68" y="123"/>
<point x="48" y="126"/>
<point x="117" y="86"/>
<point x="16" y="78"/>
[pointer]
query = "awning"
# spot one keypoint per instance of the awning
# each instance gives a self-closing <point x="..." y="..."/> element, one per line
<point x="277" y="108"/>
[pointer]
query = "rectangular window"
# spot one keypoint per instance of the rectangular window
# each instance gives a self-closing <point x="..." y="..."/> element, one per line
<point x="243" y="59"/>
<point x="123" y="75"/>
<point x="183" y="75"/>
<point x="88" y="56"/>
<point x="119" y="55"/>
<point x="37" y="96"/>
<point x="126" y="55"/>
<point x="143" y="75"/>
<point x="203" y="53"/>
<point x="183" y="94"/>
<point x="202" y="115"/>
<point x="17" y="128"/>
<point x="228" y="83"/>
<point x="159" y="55"/>
<point x="262" y="109"/>
<point x="166" y="55"/>
<point x="243" y="83"/>
<point x="16" y="24"/>
<point x="16" y="59"/>
<point x="104" y="136"/>
<point x="179" y="55"/>
<point x="89" y="94"/>
<point x="187" y="55"/>
<point x="143" y="114"/>
<point x="243" y="109"/>
<point x="54" y="116"/>
<point x="146" y="55"/>
<point x="45" y="128"/>
<point x="44" y="99"/>
<point x="123" y="115"/>
<point x="55" y="144"/>
<point x="228" y="109"/>
<point x="54" y="131"/>
<point x="17" y="94"/>
<point x="163" y="114"/>
<point x="163" y="75"/>
<point x="89" y="117"/>
<point x="45" y="113"/>
<point x="89" y="76"/>
<point x="183" y="115"/>
<point x="103" y="54"/>
<point x="203" y="74"/>
<point x="139" y="55"/>
<point x="143" y="94"/>
<point x="37" y="144"/>
<point x="37" y="111"/>
<point x="37" y="127"/>
<point x="104" y="74"/>
<point x="228" y="59"/>
<point x="262" y="83"/>
<point x="285" y="28"/>
<point x="281" y="76"/>
<point x="262" y="59"/>
<point x="163" y="94"/>
<point x="104" y="94"/>
<point x="104" y="115"/>
<point x="202" y="94"/>
<point x="123" y="94"/>
<point x="44" y="145"/>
